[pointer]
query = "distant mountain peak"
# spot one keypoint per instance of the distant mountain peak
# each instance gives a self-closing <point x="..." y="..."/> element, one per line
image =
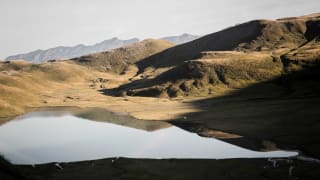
<point x="65" y="52"/>
<point x="181" y="39"/>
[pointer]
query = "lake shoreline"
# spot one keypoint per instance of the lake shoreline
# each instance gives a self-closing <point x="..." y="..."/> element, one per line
<point x="205" y="115"/>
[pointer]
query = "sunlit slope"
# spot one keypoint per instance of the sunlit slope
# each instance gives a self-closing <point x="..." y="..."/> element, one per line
<point x="234" y="58"/>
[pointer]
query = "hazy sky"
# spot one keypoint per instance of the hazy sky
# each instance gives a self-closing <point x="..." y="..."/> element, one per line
<point x="28" y="25"/>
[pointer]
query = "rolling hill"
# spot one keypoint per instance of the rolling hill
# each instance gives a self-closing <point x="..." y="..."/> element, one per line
<point x="117" y="60"/>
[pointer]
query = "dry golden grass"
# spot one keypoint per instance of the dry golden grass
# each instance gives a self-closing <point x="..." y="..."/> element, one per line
<point x="21" y="83"/>
<point x="68" y="84"/>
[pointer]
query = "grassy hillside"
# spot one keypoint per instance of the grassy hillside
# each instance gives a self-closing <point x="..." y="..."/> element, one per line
<point x="21" y="82"/>
<point x="118" y="60"/>
<point x="234" y="58"/>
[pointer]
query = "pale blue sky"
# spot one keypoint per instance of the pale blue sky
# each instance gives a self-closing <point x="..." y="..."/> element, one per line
<point x="27" y="25"/>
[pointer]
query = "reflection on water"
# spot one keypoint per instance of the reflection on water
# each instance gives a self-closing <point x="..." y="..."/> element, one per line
<point x="41" y="137"/>
<point x="101" y="115"/>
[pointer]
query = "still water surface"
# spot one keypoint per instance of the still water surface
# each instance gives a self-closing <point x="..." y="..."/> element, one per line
<point x="42" y="137"/>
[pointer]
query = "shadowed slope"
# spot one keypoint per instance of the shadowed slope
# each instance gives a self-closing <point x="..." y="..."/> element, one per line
<point x="283" y="110"/>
